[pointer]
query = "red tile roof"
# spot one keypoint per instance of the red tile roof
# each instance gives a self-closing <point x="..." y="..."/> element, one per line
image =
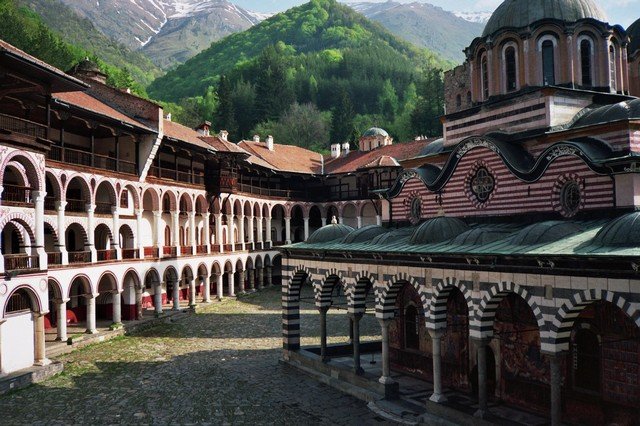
<point x="89" y="103"/>
<point x="183" y="133"/>
<point x="286" y="158"/>
<point x="223" y="146"/>
<point x="385" y="156"/>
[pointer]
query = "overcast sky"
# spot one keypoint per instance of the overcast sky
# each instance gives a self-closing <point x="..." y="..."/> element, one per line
<point x="622" y="12"/>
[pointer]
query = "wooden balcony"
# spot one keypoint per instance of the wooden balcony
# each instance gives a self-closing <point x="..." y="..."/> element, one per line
<point x="54" y="258"/>
<point x="107" y="255"/>
<point x="86" y="158"/>
<point x="196" y="177"/>
<point x="21" y="262"/>
<point x="201" y="249"/>
<point x="151" y="252"/>
<point x="169" y="251"/>
<point x="22" y="126"/>
<point x="130" y="253"/>
<point x="79" y="257"/>
<point x="14" y="195"/>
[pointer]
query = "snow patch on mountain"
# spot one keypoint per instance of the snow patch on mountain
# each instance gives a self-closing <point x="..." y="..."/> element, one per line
<point x="478" y="17"/>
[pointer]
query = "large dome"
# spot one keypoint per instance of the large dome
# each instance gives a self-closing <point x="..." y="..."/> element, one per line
<point x="331" y="232"/>
<point x="634" y="33"/>
<point x="521" y="13"/>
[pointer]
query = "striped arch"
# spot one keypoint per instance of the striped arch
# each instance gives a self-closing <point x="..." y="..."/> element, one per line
<point x="291" y="308"/>
<point x="24" y="220"/>
<point x="33" y="168"/>
<point x="357" y="297"/>
<point x="331" y="278"/>
<point x="485" y="316"/>
<point x="438" y="306"/>
<point x="567" y="314"/>
<point x="387" y="295"/>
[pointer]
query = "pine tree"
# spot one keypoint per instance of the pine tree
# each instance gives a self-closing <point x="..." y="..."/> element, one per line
<point x="225" y="117"/>
<point x="342" y="119"/>
<point x="273" y="95"/>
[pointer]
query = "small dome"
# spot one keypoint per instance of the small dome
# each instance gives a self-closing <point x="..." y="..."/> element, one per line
<point x="522" y="13"/>
<point x="393" y="236"/>
<point x="364" y="234"/>
<point x="623" y="232"/>
<point x="545" y="232"/>
<point x="479" y="236"/>
<point x="375" y="131"/>
<point x="634" y="34"/>
<point x="625" y="110"/>
<point x="438" y="229"/>
<point x="331" y="232"/>
<point x="435" y="147"/>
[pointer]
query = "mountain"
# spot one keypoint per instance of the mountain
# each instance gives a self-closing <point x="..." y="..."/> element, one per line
<point x="167" y="31"/>
<point x="424" y="25"/>
<point x="478" y="17"/>
<point x="80" y="32"/>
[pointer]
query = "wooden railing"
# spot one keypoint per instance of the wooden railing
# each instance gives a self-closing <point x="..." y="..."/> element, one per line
<point x="79" y="256"/>
<point x="151" y="252"/>
<point x="186" y="250"/>
<point x="105" y="255"/>
<point x="169" y="251"/>
<point x="130" y="253"/>
<point x="227" y="247"/>
<point x="50" y="203"/>
<point x="54" y="258"/>
<point x="14" y="195"/>
<point x="201" y="249"/>
<point x="20" y="262"/>
<point x="77" y="206"/>
<point x="197" y="177"/>
<point x="85" y="158"/>
<point x="104" y="208"/>
<point x="215" y="248"/>
<point x="22" y="126"/>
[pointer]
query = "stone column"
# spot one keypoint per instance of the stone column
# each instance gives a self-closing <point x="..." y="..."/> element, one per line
<point x="192" y="293"/>
<point x="436" y="341"/>
<point x="91" y="314"/>
<point x="241" y="277"/>
<point x="157" y="299"/>
<point x="90" y="232"/>
<point x="555" y="363"/>
<point x="250" y="231"/>
<point x="269" y="241"/>
<point x="232" y="236"/>
<point x="115" y="211"/>
<point x="219" y="283"/>
<point x="232" y="284"/>
<point x="483" y="397"/>
<point x="323" y="333"/>
<point x="261" y="278"/>
<point x="219" y="232"/>
<point x="207" y="232"/>
<point x="260" y="239"/>
<point x="40" y="356"/>
<point x="306" y="228"/>
<point x="38" y="199"/>
<point x="175" y="229"/>
<point x="117" y="307"/>
<point x="378" y="220"/>
<point x="176" y="295"/>
<point x="287" y="230"/>
<point x="192" y="232"/>
<point x="158" y="234"/>
<point x="269" y="277"/>
<point x="385" y="379"/>
<point x="138" y="291"/>
<point x="340" y="220"/>
<point x="241" y="231"/>
<point x="62" y="244"/>
<point x="355" y="321"/>
<point x="61" y="316"/>
<point x="359" y="219"/>
<point x="252" y="279"/>
<point x="324" y="221"/>
<point x="138" y="243"/>
<point x="206" y="280"/>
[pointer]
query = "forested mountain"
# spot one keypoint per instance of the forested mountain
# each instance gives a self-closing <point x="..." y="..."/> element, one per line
<point x="82" y="33"/>
<point x="24" y="29"/>
<point x="424" y="25"/>
<point x="315" y="59"/>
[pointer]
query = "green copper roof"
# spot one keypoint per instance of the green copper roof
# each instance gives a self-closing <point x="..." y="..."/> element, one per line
<point x="522" y="13"/>
<point x="331" y="232"/>
<point x="622" y="232"/>
<point x="364" y="234"/>
<point x="375" y="131"/>
<point x="438" y="229"/>
<point x="625" y="110"/>
<point x="544" y="232"/>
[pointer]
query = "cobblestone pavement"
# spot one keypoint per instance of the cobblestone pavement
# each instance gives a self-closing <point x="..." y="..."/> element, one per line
<point x="217" y="367"/>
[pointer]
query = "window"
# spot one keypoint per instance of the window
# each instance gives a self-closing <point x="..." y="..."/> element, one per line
<point x="469" y="98"/>
<point x="416" y="210"/>
<point x="485" y="78"/>
<point x="411" y="327"/>
<point x="482" y="184"/>
<point x="124" y="199"/>
<point x="548" y="64"/>
<point x="458" y="101"/>
<point x="570" y="198"/>
<point x="585" y="62"/>
<point x="586" y="361"/>
<point x="510" y="68"/>
<point x="19" y="302"/>
<point x="612" y="68"/>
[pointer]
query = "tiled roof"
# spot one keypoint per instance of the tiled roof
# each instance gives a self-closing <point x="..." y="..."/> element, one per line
<point x="89" y="103"/>
<point x="385" y="156"/>
<point x="221" y="145"/>
<point x="286" y="158"/>
<point x="184" y="134"/>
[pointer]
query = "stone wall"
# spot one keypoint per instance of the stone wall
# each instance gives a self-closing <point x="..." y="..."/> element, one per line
<point x="457" y="89"/>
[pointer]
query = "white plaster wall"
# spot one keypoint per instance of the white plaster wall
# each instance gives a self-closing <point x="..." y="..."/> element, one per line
<point x="16" y="342"/>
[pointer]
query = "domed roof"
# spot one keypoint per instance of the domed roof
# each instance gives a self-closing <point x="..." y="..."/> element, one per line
<point x="375" y="131"/>
<point x="521" y="13"/>
<point x="545" y="232"/>
<point x="623" y="231"/>
<point x="625" y="110"/>
<point x="634" y="33"/>
<point x="438" y="229"/>
<point x="435" y="147"/>
<point x="479" y="236"/>
<point x="364" y="234"/>
<point x="392" y="236"/>
<point x="331" y="232"/>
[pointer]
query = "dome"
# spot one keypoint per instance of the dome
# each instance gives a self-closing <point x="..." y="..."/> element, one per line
<point x="625" y="110"/>
<point x="623" y="232"/>
<point x="392" y="236"/>
<point x="438" y="229"/>
<point x="545" y="232"/>
<point x="634" y="34"/>
<point x="375" y="131"/>
<point x="435" y="147"/>
<point x="479" y="236"/>
<point x="331" y="232"/>
<point x="522" y="13"/>
<point x="364" y="234"/>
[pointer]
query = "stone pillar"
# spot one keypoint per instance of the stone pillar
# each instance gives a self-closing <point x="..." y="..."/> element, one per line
<point x="219" y="232"/>
<point x="175" y="229"/>
<point x="241" y="277"/>
<point x="324" y="221"/>
<point x="555" y="363"/>
<point x="252" y="279"/>
<point x="206" y="280"/>
<point x="250" y="231"/>
<point x="261" y="278"/>
<point x="483" y="397"/>
<point x="306" y="228"/>
<point x="115" y="211"/>
<point x="241" y="231"/>
<point x="385" y="379"/>
<point x="117" y="307"/>
<point x="90" y="232"/>
<point x="192" y="293"/>
<point x="436" y="341"/>
<point x="323" y="333"/>
<point x="157" y="299"/>
<point x="62" y="244"/>
<point x="232" y="284"/>
<point x="40" y="356"/>
<point x="138" y="290"/>
<point x="192" y="232"/>
<point x="260" y="239"/>
<point x="269" y="241"/>
<point x="219" y="282"/>
<point x="378" y="220"/>
<point x="340" y="220"/>
<point x="138" y="243"/>
<point x="158" y="234"/>
<point x="359" y="219"/>
<point x="38" y="199"/>
<point x="355" y="321"/>
<point x="232" y="236"/>
<point x="207" y="232"/>
<point x="91" y="314"/>
<point x="176" y="295"/>
<point x="61" y="316"/>
<point x="269" y="277"/>
<point x="287" y="230"/>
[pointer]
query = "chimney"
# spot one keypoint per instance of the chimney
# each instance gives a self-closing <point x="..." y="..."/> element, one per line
<point x="270" y="142"/>
<point x="203" y="129"/>
<point x="256" y="138"/>
<point x="346" y="148"/>
<point x="224" y="135"/>
<point x="169" y="117"/>
<point x="335" y="150"/>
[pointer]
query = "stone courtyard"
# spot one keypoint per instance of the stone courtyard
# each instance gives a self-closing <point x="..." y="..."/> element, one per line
<point x="219" y="366"/>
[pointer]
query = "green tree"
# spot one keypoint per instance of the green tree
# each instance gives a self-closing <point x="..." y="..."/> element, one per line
<point x="342" y="119"/>
<point x="388" y="101"/>
<point x="225" y="115"/>
<point x="303" y="125"/>
<point x="425" y="119"/>
<point x="272" y="92"/>
<point x="244" y="100"/>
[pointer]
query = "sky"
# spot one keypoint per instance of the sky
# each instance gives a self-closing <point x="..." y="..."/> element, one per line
<point x="622" y="12"/>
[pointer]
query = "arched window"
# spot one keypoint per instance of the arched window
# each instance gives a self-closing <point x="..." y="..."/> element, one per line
<point x="510" y="68"/>
<point x="469" y="98"/>
<point x="612" y="68"/>
<point x="411" y="337"/>
<point x="585" y="62"/>
<point x="485" y="78"/>
<point x="458" y="101"/>
<point x="586" y="360"/>
<point x="548" y="64"/>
